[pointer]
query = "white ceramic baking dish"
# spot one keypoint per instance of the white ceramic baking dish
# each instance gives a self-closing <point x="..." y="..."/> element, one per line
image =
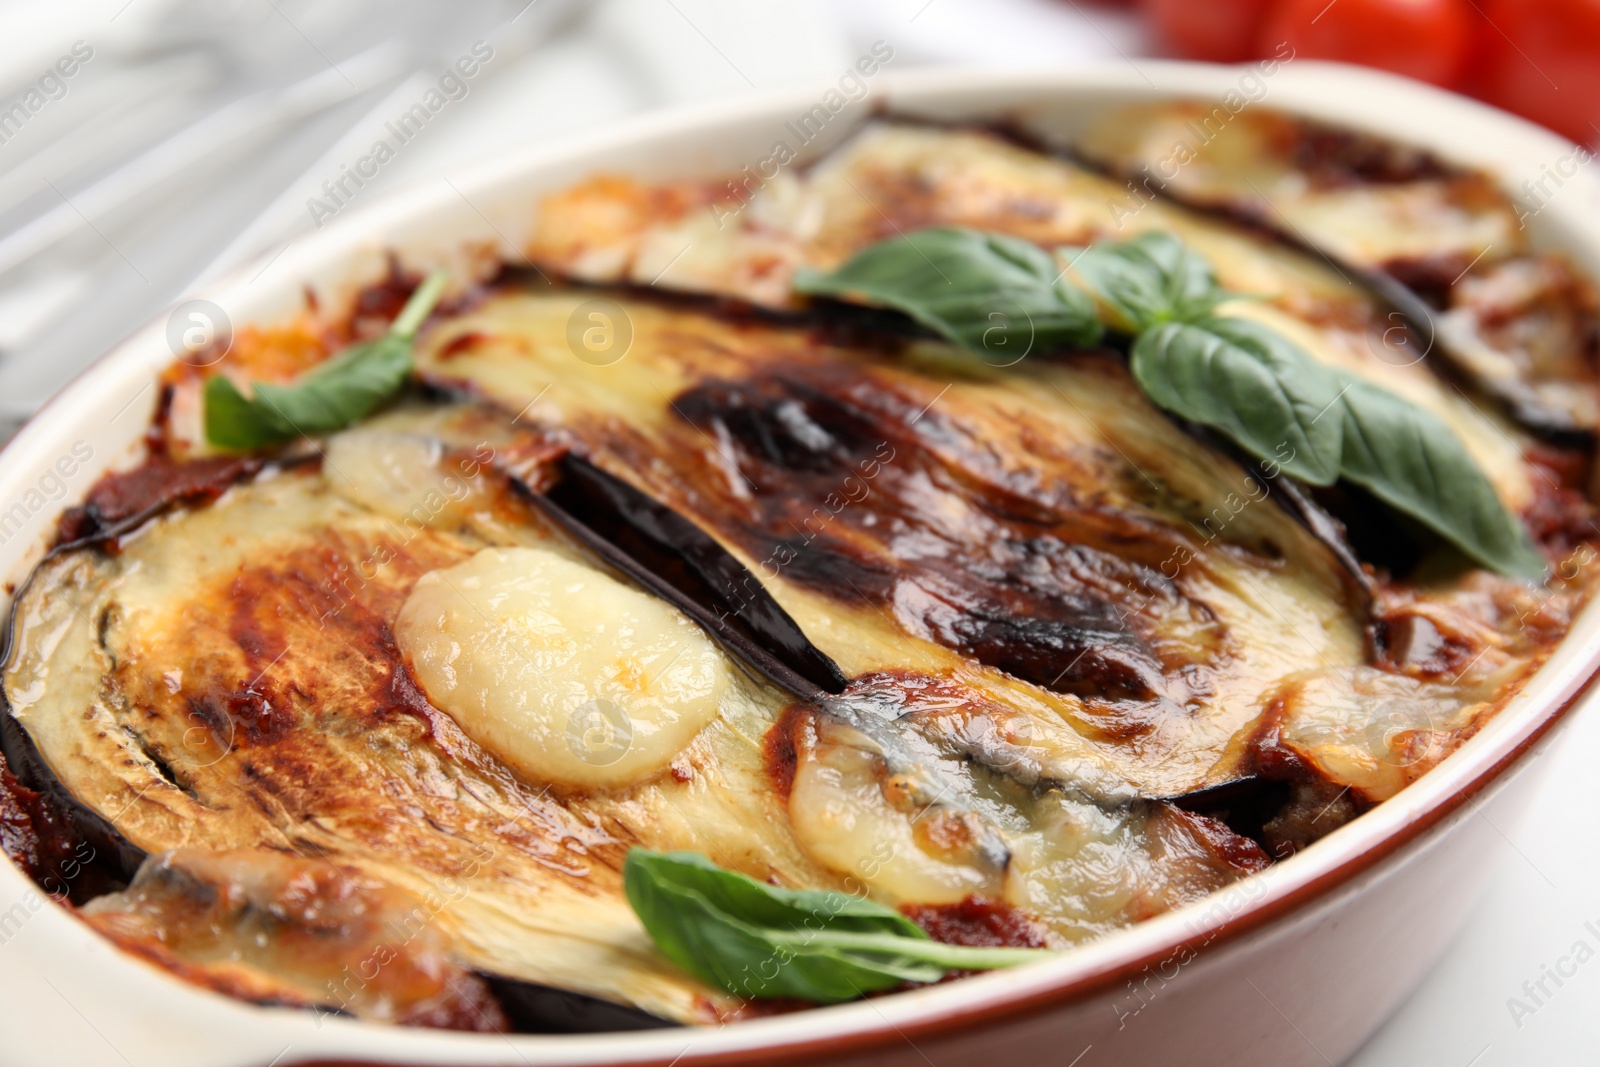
<point x="1294" y="966"/>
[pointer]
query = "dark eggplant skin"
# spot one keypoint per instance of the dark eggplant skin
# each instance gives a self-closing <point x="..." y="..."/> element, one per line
<point x="1246" y="805"/>
<point x="652" y="544"/>
<point x="1415" y="313"/>
<point x="538" y="1009"/>
<point x="125" y="500"/>
<point x="676" y="560"/>
<point x="1328" y="529"/>
<point x="116" y="858"/>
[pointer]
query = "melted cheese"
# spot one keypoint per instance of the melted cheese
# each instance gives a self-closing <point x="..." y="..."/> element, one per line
<point x="888" y="830"/>
<point x="562" y="671"/>
<point x="1372" y="730"/>
<point x="398" y="474"/>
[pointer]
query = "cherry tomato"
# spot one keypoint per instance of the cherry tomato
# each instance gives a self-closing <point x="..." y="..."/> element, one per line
<point x="1541" y="59"/>
<point x="1424" y="39"/>
<point x="1222" y="31"/>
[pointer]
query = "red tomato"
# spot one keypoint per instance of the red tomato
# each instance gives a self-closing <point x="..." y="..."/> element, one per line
<point x="1222" y="31"/>
<point x="1424" y="39"/>
<point x="1541" y="59"/>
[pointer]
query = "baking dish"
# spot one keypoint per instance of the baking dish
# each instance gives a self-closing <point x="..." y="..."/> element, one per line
<point x="1295" y="965"/>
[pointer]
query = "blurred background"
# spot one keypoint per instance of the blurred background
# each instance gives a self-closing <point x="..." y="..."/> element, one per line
<point x="147" y="146"/>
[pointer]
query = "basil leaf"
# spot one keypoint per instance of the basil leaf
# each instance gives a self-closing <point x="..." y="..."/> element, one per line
<point x="342" y="390"/>
<point x="1320" y="424"/>
<point x="1413" y="461"/>
<point x="995" y="295"/>
<point x="1276" y="401"/>
<point x="330" y="396"/>
<point x="756" y="940"/>
<point x="1151" y="279"/>
<point x="234" y="421"/>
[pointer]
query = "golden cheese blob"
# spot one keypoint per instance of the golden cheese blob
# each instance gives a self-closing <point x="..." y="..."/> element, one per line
<point x="562" y="671"/>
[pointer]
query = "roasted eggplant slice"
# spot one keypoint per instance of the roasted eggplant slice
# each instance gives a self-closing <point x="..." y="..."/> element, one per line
<point x="1526" y="329"/>
<point x="296" y="668"/>
<point x="1364" y="200"/>
<point x="145" y="681"/>
<point x="909" y="512"/>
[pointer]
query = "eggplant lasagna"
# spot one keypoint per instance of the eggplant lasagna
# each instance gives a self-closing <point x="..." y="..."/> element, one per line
<point x="652" y="549"/>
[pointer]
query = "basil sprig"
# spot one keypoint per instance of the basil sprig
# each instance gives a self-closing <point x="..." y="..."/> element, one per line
<point x="1150" y="279"/>
<point x="330" y="396"/>
<point x="995" y="295"/>
<point x="761" y="941"/>
<point x="1318" y="422"/>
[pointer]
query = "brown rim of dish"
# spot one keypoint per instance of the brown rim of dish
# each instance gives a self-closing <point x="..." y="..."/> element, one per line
<point x="1008" y="1010"/>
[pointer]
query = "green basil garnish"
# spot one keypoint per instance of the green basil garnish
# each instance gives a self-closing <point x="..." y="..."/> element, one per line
<point x="330" y="396"/>
<point x="1230" y="374"/>
<point x="760" y="941"/>
<point x="1318" y="422"/>
<point x="1151" y="279"/>
<point x="1249" y="383"/>
<point x="995" y="295"/>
